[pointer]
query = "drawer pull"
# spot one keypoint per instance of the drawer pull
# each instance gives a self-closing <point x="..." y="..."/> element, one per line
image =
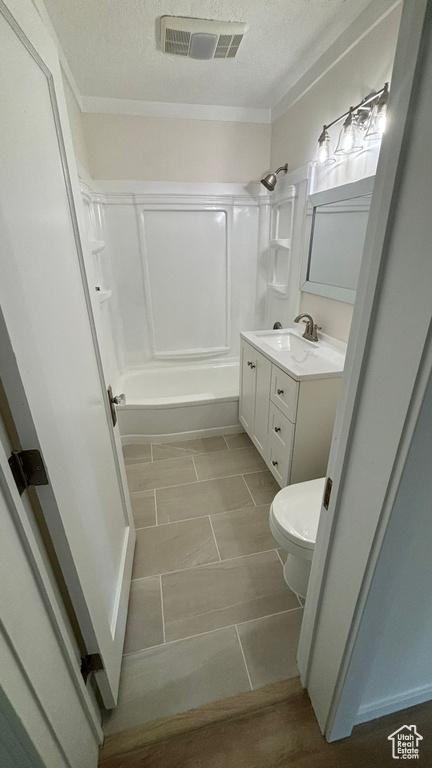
<point x="277" y="429"/>
<point x="280" y="391"/>
<point x="275" y="463"/>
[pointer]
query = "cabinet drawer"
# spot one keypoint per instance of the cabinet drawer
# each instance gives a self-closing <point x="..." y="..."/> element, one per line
<point x="284" y="392"/>
<point x="281" y="431"/>
<point x="279" y="464"/>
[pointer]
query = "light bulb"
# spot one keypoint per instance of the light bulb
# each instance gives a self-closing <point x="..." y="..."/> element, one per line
<point x="322" y="155"/>
<point x="382" y="119"/>
<point x="323" y="152"/>
<point x="348" y="139"/>
<point x="377" y="119"/>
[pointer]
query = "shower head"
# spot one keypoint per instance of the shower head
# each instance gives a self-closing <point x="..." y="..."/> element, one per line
<point x="269" y="181"/>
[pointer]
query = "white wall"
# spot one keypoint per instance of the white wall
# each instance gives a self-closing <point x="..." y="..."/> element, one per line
<point x="294" y="135"/>
<point x="77" y="131"/>
<point x="175" y="149"/>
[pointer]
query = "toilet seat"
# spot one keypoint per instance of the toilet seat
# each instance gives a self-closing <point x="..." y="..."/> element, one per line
<point x="294" y="516"/>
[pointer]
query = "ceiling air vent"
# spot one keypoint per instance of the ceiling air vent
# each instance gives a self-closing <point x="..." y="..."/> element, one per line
<point x="201" y="38"/>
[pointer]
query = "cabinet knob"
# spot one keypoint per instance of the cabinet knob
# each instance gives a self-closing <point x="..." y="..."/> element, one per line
<point x="277" y="429"/>
<point x="280" y="391"/>
<point x="275" y="463"/>
<point x="252" y="365"/>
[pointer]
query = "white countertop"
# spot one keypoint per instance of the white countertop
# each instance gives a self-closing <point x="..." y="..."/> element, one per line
<point x="301" y="359"/>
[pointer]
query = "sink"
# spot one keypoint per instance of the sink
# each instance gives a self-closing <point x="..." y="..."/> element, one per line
<point x="300" y="358"/>
<point x="284" y="340"/>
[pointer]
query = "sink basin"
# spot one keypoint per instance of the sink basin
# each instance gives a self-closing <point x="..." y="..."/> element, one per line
<point x="300" y="358"/>
<point x="284" y="340"/>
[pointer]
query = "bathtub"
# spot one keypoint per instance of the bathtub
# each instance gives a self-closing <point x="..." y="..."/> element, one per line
<point x="175" y="402"/>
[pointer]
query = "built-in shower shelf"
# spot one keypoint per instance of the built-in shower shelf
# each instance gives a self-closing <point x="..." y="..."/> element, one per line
<point x="279" y="288"/>
<point x="103" y="295"/>
<point x="96" y="246"/>
<point x="281" y="243"/>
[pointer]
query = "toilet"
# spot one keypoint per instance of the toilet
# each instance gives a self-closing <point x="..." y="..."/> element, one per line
<point x="294" y="517"/>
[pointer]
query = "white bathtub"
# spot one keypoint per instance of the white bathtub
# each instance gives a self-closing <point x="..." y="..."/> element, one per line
<point x="180" y="402"/>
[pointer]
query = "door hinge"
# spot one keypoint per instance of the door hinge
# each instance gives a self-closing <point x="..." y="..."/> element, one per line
<point x="327" y="493"/>
<point x="92" y="662"/>
<point x="28" y="469"/>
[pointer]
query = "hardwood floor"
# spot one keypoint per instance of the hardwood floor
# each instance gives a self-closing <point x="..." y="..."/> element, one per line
<point x="269" y="728"/>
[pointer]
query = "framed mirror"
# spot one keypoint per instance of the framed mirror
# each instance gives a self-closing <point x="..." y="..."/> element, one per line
<point x="336" y="222"/>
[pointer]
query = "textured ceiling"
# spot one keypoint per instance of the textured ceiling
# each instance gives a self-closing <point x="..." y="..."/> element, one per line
<point x="112" y="47"/>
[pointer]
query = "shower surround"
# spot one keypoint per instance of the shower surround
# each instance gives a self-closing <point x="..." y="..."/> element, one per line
<point x="179" y="269"/>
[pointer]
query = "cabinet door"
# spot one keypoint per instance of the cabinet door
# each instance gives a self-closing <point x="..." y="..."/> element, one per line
<point x="262" y="402"/>
<point x="247" y="387"/>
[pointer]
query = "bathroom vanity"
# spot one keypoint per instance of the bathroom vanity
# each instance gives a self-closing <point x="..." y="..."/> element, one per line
<point x="289" y="389"/>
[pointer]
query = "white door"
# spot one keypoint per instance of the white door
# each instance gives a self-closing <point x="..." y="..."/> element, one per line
<point x="39" y="669"/>
<point x="46" y="313"/>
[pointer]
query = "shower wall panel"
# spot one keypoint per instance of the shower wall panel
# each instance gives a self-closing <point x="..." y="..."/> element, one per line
<point x="186" y="255"/>
<point x="183" y="263"/>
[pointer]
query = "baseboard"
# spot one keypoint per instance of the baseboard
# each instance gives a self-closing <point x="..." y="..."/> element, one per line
<point x="393" y="704"/>
<point x="124" y="744"/>
<point x="234" y="429"/>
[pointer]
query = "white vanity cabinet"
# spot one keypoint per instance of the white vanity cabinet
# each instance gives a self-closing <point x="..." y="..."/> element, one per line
<point x="255" y="378"/>
<point x="290" y="422"/>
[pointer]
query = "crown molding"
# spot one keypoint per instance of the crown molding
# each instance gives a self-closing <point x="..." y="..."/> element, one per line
<point x="373" y="15"/>
<point x="102" y="105"/>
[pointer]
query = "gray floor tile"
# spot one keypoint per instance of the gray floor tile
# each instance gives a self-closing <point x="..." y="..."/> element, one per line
<point x="262" y="486"/>
<point x="243" y="532"/>
<point x="227" y="463"/>
<point x="202" y="599"/>
<point x="159" y="474"/>
<point x="144" y="624"/>
<point x="270" y="647"/>
<point x="171" y="547"/>
<point x="143" y="509"/>
<point x="136" y="454"/>
<point x="176" y="677"/>
<point x="283" y="554"/>
<point x="188" y="448"/>
<point x="241" y="440"/>
<point x="198" y="499"/>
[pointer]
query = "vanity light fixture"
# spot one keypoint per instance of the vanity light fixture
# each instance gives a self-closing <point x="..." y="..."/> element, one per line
<point x="366" y="118"/>
<point x="270" y="181"/>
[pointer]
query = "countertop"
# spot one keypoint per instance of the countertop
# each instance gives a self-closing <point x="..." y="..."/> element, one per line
<point x="303" y="359"/>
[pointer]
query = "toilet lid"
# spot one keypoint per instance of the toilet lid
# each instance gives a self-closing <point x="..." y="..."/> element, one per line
<point x="296" y="511"/>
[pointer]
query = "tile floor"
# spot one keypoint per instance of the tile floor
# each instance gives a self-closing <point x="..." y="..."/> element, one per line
<point x="210" y="614"/>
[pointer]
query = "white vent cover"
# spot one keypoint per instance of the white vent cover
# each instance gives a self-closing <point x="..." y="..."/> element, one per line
<point x="201" y="38"/>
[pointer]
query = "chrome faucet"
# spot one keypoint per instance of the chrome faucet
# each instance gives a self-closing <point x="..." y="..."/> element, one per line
<point x="311" y="328"/>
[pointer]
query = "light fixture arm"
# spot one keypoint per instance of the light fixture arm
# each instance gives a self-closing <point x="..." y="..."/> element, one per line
<point x="367" y="99"/>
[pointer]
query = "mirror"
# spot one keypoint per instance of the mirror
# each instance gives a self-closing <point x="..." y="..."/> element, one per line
<point x="336" y="222"/>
